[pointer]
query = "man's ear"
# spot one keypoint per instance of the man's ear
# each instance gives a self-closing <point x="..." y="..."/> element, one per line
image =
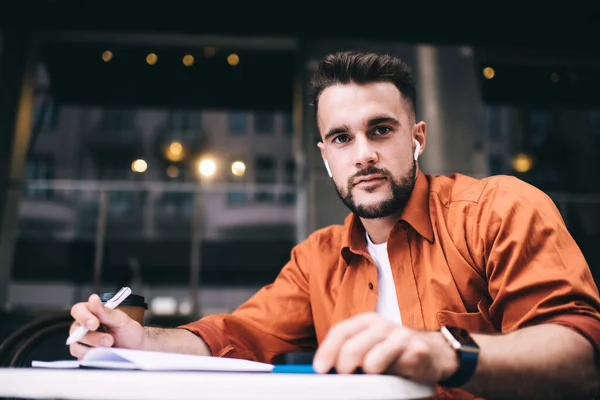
<point x="420" y="137"/>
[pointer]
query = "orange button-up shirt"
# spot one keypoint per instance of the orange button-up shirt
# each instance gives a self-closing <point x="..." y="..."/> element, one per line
<point x="489" y="255"/>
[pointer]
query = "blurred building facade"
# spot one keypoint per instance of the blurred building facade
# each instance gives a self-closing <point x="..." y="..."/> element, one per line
<point x="153" y="183"/>
<point x="150" y="163"/>
<point x="123" y="151"/>
<point x="284" y="193"/>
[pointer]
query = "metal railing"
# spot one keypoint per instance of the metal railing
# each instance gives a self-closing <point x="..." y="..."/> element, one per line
<point x="135" y="208"/>
<point x="194" y="211"/>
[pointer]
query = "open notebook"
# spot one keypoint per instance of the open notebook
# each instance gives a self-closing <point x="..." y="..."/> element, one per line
<point x="113" y="358"/>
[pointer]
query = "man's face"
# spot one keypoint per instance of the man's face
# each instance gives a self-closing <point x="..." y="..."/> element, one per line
<point x="367" y="139"/>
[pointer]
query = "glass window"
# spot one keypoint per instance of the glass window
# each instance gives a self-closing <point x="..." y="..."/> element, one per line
<point x="290" y="171"/>
<point x="540" y="125"/>
<point x="178" y="203"/>
<point x="121" y="202"/>
<point x="107" y="169"/>
<point x="264" y="169"/>
<point x="237" y="197"/>
<point x="264" y="123"/>
<point x="237" y="123"/>
<point x="117" y="120"/>
<point x="287" y="198"/>
<point x="185" y="125"/>
<point x="264" y="173"/>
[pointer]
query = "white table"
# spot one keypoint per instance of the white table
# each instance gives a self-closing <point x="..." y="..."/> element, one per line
<point x="89" y="384"/>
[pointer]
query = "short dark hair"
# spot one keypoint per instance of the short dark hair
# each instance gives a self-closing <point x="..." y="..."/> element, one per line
<point x="357" y="67"/>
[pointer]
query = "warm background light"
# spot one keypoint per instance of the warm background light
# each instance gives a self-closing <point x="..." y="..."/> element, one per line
<point x="172" y="171"/>
<point x="210" y="51"/>
<point x="233" y="59"/>
<point x="489" y="72"/>
<point x="188" y="60"/>
<point x="139" y="166"/>
<point x="151" y="58"/>
<point x="207" y="167"/>
<point x="238" y="168"/>
<point x="522" y="162"/>
<point x="107" y="56"/>
<point x="175" y="151"/>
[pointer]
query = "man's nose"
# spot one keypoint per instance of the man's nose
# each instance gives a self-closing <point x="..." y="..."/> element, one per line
<point x="365" y="154"/>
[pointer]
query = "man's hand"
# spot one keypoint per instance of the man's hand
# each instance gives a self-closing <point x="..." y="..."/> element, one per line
<point x="378" y="346"/>
<point x="119" y="329"/>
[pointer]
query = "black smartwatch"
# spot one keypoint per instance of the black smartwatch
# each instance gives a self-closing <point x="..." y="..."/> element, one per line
<point x="466" y="350"/>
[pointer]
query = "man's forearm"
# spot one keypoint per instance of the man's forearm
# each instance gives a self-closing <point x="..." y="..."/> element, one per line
<point x="546" y="361"/>
<point x="174" y="341"/>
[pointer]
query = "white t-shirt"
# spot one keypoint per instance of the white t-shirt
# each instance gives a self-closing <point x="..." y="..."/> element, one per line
<point x="387" y="301"/>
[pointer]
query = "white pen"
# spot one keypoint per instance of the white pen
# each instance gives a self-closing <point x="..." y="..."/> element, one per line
<point x="112" y="304"/>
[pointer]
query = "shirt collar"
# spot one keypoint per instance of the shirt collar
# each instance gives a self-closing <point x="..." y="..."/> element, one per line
<point x="416" y="214"/>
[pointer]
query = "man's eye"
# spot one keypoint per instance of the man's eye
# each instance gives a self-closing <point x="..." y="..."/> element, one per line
<point x="340" y="139"/>
<point x="381" y="130"/>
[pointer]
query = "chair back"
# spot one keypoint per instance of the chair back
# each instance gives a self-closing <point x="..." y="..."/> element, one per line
<point x="41" y="339"/>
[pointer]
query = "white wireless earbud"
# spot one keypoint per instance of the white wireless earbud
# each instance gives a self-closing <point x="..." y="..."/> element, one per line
<point x="328" y="170"/>
<point x="417" y="149"/>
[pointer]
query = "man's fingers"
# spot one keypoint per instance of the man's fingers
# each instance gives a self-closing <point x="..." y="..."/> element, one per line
<point x="99" y="310"/>
<point x="82" y="314"/>
<point x="353" y="351"/>
<point x="106" y="316"/>
<point x="401" y="354"/>
<point x="415" y="361"/>
<point x="78" y="350"/>
<point x="328" y="351"/>
<point x="385" y="353"/>
<point x="93" y="338"/>
<point x="97" y="339"/>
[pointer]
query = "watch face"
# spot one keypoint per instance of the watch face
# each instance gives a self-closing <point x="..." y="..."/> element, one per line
<point x="462" y="336"/>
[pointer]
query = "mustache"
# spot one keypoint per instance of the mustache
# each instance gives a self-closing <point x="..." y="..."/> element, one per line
<point x="368" y="171"/>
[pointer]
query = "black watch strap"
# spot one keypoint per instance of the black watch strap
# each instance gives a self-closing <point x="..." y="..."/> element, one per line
<point x="466" y="369"/>
<point x="468" y="355"/>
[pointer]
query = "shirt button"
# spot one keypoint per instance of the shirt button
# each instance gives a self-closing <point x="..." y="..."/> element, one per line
<point x="370" y="286"/>
<point x="411" y="319"/>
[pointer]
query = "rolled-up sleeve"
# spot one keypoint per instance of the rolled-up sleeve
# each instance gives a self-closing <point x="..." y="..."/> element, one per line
<point x="275" y="321"/>
<point x="536" y="272"/>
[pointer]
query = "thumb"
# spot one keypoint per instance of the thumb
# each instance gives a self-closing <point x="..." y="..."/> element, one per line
<point x="106" y="316"/>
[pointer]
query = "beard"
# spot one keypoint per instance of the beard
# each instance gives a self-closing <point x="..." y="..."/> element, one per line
<point x="401" y="189"/>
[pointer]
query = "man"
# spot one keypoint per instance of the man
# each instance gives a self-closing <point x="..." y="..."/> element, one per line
<point x="418" y="258"/>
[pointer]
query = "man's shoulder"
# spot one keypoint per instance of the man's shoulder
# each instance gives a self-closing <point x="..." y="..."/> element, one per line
<point x="322" y="247"/>
<point x="463" y="188"/>
<point x="330" y="237"/>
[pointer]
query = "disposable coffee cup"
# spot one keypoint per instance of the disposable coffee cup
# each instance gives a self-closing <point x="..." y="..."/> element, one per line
<point x="134" y="305"/>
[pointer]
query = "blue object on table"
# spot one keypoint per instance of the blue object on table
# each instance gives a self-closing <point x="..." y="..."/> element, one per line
<point x="294" y="369"/>
<point x="303" y="369"/>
